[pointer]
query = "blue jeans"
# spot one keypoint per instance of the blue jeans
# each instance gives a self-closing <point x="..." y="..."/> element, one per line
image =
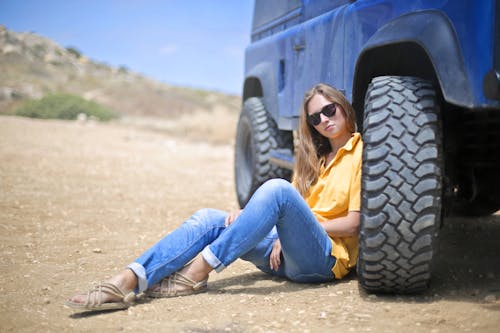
<point x="275" y="210"/>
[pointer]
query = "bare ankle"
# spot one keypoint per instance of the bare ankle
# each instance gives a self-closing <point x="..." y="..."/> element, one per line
<point x="125" y="280"/>
<point x="197" y="270"/>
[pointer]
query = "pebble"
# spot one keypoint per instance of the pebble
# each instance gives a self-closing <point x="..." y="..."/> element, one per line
<point x="46" y="301"/>
<point x="490" y="298"/>
<point x="97" y="250"/>
<point x="322" y="315"/>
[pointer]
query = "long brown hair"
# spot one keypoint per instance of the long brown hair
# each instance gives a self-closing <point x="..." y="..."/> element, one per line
<point x="313" y="148"/>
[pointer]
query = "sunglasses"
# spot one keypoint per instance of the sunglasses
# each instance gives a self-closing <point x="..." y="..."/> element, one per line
<point x="328" y="110"/>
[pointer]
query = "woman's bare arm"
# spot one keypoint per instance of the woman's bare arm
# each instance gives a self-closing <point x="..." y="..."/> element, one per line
<point x="343" y="226"/>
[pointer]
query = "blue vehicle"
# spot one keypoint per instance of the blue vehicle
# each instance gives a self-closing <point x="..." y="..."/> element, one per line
<point x="424" y="78"/>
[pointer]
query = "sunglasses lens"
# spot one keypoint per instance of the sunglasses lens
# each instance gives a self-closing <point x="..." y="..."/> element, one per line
<point x="328" y="110"/>
<point x="314" y="119"/>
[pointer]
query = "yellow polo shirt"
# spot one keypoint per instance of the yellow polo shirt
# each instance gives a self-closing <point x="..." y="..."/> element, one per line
<point x="338" y="191"/>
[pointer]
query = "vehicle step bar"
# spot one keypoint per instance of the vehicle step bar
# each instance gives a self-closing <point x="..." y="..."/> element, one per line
<point x="282" y="158"/>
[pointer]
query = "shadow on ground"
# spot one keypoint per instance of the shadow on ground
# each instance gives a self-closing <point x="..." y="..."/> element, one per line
<point x="466" y="267"/>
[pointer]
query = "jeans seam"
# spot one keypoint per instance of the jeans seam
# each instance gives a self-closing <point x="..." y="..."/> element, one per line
<point x="303" y="218"/>
<point x="317" y="237"/>
<point x="160" y="265"/>
<point x="245" y="239"/>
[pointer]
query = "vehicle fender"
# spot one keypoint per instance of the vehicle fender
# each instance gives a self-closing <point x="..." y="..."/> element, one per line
<point x="263" y="74"/>
<point x="434" y="33"/>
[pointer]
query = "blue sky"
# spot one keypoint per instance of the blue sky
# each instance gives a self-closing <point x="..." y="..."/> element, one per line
<point x="195" y="43"/>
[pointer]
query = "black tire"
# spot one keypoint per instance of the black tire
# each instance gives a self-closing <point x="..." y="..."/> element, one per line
<point x="401" y="185"/>
<point x="257" y="135"/>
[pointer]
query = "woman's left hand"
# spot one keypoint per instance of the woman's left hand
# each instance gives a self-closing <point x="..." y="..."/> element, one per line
<point x="232" y="216"/>
<point x="275" y="257"/>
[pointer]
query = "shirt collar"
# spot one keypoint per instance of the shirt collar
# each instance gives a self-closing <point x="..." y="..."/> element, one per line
<point x="352" y="142"/>
<point x="349" y="146"/>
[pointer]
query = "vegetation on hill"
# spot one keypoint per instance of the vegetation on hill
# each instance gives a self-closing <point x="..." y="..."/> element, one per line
<point x="33" y="66"/>
<point x="64" y="106"/>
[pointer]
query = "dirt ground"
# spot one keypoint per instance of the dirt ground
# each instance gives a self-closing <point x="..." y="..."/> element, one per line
<point x="79" y="201"/>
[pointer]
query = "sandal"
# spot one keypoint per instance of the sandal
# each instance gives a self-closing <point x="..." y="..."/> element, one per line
<point x="94" y="299"/>
<point x="168" y="287"/>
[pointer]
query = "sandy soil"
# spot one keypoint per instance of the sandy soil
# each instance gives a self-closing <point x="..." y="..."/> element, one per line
<point x="78" y="201"/>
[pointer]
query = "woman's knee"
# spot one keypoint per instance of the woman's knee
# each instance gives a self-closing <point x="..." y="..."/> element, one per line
<point x="274" y="191"/>
<point x="277" y="185"/>
<point x="207" y="216"/>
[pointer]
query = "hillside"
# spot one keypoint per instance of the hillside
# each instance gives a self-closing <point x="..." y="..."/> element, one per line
<point x="32" y="66"/>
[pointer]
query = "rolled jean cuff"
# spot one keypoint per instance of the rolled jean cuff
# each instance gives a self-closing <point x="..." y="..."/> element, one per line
<point x="140" y="272"/>
<point x="212" y="260"/>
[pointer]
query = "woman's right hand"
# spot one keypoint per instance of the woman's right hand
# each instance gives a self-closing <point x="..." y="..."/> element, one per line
<point x="275" y="257"/>
<point x="232" y="216"/>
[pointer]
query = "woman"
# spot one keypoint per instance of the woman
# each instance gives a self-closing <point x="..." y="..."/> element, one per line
<point x="306" y="232"/>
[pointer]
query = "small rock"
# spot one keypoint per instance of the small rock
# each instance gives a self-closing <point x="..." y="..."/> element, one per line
<point x="322" y="315"/>
<point x="490" y="298"/>
<point x="97" y="250"/>
<point x="46" y="301"/>
<point x="81" y="118"/>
